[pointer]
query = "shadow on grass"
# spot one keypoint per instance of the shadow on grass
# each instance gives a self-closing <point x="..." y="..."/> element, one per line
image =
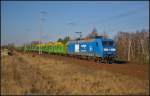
<point x="121" y="62"/>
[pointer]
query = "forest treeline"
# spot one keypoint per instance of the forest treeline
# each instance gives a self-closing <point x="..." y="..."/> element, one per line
<point x="133" y="46"/>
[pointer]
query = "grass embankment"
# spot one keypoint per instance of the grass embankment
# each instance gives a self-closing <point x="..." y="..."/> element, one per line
<point x="28" y="74"/>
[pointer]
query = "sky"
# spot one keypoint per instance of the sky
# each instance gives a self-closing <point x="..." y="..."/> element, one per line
<point x="22" y="21"/>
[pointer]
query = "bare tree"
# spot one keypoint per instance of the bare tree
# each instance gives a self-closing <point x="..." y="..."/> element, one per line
<point x="93" y="34"/>
<point x="133" y="46"/>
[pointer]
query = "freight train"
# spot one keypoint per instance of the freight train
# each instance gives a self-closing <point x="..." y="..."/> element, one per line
<point x="100" y="49"/>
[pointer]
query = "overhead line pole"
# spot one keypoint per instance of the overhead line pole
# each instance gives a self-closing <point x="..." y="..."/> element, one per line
<point x="26" y="44"/>
<point x="40" y="39"/>
<point x="40" y="34"/>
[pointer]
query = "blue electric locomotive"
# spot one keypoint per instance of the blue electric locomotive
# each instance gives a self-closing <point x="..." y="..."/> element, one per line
<point x="99" y="48"/>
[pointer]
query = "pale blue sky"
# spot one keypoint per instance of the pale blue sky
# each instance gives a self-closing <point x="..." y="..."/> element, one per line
<point x="20" y="20"/>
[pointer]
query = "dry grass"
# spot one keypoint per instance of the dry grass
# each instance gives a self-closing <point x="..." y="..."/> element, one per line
<point x="27" y="74"/>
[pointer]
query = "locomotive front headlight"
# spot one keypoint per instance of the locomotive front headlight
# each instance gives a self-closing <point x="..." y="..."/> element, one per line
<point x="105" y="49"/>
<point x="113" y="49"/>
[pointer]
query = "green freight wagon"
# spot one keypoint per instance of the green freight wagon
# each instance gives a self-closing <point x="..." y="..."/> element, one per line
<point x="53" y="47"/>
<point x="57" y="48"/>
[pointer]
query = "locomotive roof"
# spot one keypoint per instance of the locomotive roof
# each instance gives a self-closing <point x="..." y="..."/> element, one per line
<point x="90" y="40"/>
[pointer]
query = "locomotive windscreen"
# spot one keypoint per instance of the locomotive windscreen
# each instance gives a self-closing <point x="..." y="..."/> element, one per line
<point x="107" y="43"/>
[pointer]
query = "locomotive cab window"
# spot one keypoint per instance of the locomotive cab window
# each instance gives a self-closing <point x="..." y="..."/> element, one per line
<point x="107" y="43"/>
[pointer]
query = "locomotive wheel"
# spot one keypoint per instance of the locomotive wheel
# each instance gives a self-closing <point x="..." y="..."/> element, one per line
<point x="98" y="59"/>
<point x="111" y="61"/>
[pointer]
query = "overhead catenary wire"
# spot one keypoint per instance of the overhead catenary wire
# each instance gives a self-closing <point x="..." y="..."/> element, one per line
<point x="125" y="14"/>
<point x="119" y="16"/>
